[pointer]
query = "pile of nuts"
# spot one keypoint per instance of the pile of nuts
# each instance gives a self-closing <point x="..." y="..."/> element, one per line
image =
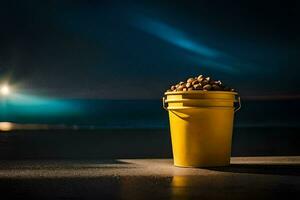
<point x="200" y="83"/>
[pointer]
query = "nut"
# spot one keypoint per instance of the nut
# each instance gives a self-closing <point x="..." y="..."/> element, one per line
<point x="218" y="82"/>
<point x="180" y="88"/>
<point x="204" y="81"/>
<point x="207" y="87"/>
<point x="190" y="80"/>
<point x="195" y="82"/>
<point x="216" y="87"/>
<point x="188" y="85"/>
<point x="197" y="87"/>
<point x="200" y="83"/>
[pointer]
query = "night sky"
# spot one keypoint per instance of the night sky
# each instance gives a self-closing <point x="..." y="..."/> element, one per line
<point x="136" y="50"/>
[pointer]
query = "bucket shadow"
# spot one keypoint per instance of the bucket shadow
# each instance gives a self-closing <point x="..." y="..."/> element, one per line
<point x="272" y="169"/>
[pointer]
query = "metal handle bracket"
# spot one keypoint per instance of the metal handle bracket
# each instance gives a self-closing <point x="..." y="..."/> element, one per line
<point x="164" y="103"/>
<point x="239" y="104"/>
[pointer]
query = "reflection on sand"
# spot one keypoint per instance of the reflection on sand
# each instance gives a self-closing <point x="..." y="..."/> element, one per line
<point x="9" y="126"/>
<point x="179" y="187"/>
<point x="189" y="187"/>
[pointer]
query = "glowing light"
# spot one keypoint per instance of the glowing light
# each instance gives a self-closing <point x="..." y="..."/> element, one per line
<point x="5" y="90"/>
<point x="6" y="126"/>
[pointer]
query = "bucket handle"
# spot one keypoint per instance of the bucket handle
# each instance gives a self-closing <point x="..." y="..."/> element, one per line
<point x="164" y="103"/>
<point x="239" y="104"/>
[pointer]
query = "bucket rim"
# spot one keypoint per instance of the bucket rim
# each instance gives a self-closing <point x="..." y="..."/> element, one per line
<point x="198" y="100"/>
<point x="200" y="92"/>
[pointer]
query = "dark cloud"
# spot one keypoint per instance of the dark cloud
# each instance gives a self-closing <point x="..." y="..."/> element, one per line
<point x="93" y="49"/>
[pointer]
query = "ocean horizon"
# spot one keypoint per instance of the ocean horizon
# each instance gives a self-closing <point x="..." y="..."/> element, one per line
<point x="98" y="114"/>
<point x="82" y="128"/>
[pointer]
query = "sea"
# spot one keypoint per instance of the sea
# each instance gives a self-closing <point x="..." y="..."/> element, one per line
<point x="85" y="128"/>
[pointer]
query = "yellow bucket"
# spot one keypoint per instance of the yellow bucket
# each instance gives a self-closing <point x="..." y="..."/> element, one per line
<point x="201" y="125"/>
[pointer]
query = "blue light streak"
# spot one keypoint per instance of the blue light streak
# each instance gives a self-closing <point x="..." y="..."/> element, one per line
<point x="176" y="37"/>
<point x="198" y="53"/>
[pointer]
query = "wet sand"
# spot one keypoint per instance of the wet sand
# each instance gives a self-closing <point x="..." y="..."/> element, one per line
<point x="117" y="164"/>
<point x="246" y="178"/>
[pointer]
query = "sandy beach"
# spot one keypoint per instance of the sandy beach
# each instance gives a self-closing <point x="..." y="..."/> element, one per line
<point x="245" y="178"/>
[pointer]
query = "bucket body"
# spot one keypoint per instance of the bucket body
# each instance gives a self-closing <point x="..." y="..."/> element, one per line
<point x="201" y="124"/>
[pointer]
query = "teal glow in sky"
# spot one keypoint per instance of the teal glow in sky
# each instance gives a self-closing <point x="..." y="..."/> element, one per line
<point x="31" y="105"/>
